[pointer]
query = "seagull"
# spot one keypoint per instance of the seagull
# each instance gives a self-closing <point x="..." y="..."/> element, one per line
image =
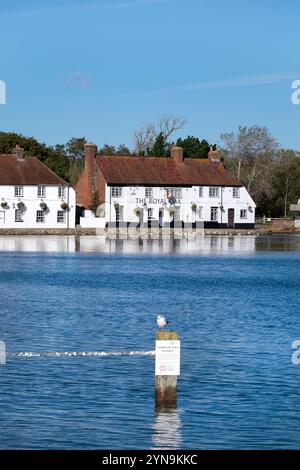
<point x="161" y="321"/>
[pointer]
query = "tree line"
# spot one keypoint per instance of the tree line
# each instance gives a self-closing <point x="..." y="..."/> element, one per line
<point x="252" y="155"/>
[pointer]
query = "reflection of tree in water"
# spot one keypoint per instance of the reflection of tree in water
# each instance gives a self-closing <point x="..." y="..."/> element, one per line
<point x="167" y="429"/>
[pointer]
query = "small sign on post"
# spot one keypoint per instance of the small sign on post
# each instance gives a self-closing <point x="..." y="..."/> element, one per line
<point x="2" y="353"/>
<point x="167" y="357"/>
<point x="167" y="368"/>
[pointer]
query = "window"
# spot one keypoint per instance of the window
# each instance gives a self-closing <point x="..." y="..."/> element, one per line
<point x="61" y="217"/>
<point x="236" y="192"/>
<point x="119" y="213"/>
<point x="116" y="192"/>
<point x="18" y="215"/>
<point x="177" y="193"/>
<point x="61" y="192"/>
<point x="243" y="213"/>
<point x="176" y="213"/>
<point x="41" y="191"/>
<point x="40" y="217"/>
<point x="201" y="191"/>
<point x="213" y="192"/>
<point x="150" y="214"/>
<point x="214" y="214"/>
<point x="148" y="192"/>
<point x="18" y="191"/>
<point x="200" y="212"/>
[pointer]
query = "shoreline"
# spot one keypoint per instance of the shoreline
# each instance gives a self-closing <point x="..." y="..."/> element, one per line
<point x="79" y="231"/>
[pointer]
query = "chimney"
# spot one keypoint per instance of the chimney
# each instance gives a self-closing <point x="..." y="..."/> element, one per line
<point x="177" y="154"/>
<point x="19" y="153"/>
<point x="89" y="158"/>
<point x="214" y="155"/>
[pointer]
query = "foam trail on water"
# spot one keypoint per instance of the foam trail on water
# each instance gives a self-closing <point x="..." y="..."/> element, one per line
<point x="80" y="354"/>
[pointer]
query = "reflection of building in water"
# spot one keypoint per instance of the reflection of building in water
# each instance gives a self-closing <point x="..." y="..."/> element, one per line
<point x="102" y="244"/>
<point x="38" y="243"/>
<point x="167" y="429"/>
<point x="197" y="245"/>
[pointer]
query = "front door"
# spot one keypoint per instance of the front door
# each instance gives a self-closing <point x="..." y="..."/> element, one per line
<point x="161" y="217"/>
<point x="230" y="218"/>
<point x="2" y="217"/>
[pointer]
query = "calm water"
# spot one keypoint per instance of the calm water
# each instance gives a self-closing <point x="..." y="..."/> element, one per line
<point x="234" y="301"/>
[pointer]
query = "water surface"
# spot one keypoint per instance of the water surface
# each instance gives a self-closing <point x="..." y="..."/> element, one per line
<point x="233" y="300"/>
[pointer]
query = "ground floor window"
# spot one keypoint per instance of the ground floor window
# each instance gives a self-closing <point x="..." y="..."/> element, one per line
<point x="243" y="213"/>
<point x="18" y="215"/>
<point x="40" y="217"/>
<point x="119" y="213"/>
<point x="200" y="212"/>
<point x="61" y="217"/>
<point x="214" y="214"/>
<point x="150" y="214"/>
<point x="176" y="213"/>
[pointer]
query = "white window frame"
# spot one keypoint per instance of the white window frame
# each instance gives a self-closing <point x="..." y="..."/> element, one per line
<point x="119" y="213"/>
<point x="176" y="214"/>
<point x="214" y="191"/>
<point x="148" y="192"/>
<point x="116" y="191"/>
<point x="200" y="212"/>
<point x="200" y="191"/>
<point x="61" y="217"/>
<point x="236" y="192"/>
<point x="40" y="217"/>
<point x="177" y="193"/>
<point x="18" y="215"/>
<point x="214" y="214"/>
<point x="61" y="192"/>
<point x="243" y="214"/>
<point x="19" y="191"/>
<point x="41" y="191"/>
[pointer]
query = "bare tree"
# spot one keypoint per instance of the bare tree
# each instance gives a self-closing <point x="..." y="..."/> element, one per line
<point x="144" y="137"/>
<point x="249" y="152"/>
<point x="286" y="177"/>
<point x="170" y="124"/>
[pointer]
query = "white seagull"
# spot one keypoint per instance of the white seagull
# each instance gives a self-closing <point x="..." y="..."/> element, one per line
<point x="161" y="321"/>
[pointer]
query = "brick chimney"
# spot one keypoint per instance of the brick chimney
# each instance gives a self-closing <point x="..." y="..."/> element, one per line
<point x="177" y="154"/>
<point x="90" y="151"/>
<point x="214" y="155"/>
<point x="19" y="153"/>
<point x="89" y="158"/>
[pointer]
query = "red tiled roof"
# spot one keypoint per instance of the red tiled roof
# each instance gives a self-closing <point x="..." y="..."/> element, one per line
<point x="29" y="171"/>
<point x="163" y="171"/>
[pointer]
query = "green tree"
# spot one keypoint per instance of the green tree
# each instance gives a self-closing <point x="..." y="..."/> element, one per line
<point x="107" y="150"/>
<point x="75" y="148"/>
<point x="193" y="147"/>
<point x="160" y="148"/>
<point x="122" y="150"/>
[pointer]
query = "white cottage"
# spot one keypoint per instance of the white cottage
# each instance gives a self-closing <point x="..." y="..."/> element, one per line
<point x="159" y="192"/>
<point x="32" y="196"/>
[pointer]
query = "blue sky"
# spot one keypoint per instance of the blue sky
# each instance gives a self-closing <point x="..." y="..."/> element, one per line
<point x="101" y="68"/>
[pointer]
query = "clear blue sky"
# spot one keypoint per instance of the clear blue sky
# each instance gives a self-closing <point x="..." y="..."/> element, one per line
<point x="100" y="68"/>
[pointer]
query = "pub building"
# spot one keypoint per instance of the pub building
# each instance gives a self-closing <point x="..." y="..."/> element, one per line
<point x="161" y="192"/>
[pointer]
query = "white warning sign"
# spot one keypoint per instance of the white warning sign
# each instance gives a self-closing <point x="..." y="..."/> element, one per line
<point x="167" y="358"/>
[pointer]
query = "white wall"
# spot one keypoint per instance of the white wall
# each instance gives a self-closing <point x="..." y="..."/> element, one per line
<point x="189" y="195"/>
<point x="32" y="204"/>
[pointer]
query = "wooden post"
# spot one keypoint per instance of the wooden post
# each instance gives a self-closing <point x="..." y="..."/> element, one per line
<point x="2" y="353"/>
<point x="165" y="385"/>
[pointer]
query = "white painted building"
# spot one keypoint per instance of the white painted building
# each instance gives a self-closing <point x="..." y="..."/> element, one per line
<point x="32" y="196"/>
<point x="160" y="192"/>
